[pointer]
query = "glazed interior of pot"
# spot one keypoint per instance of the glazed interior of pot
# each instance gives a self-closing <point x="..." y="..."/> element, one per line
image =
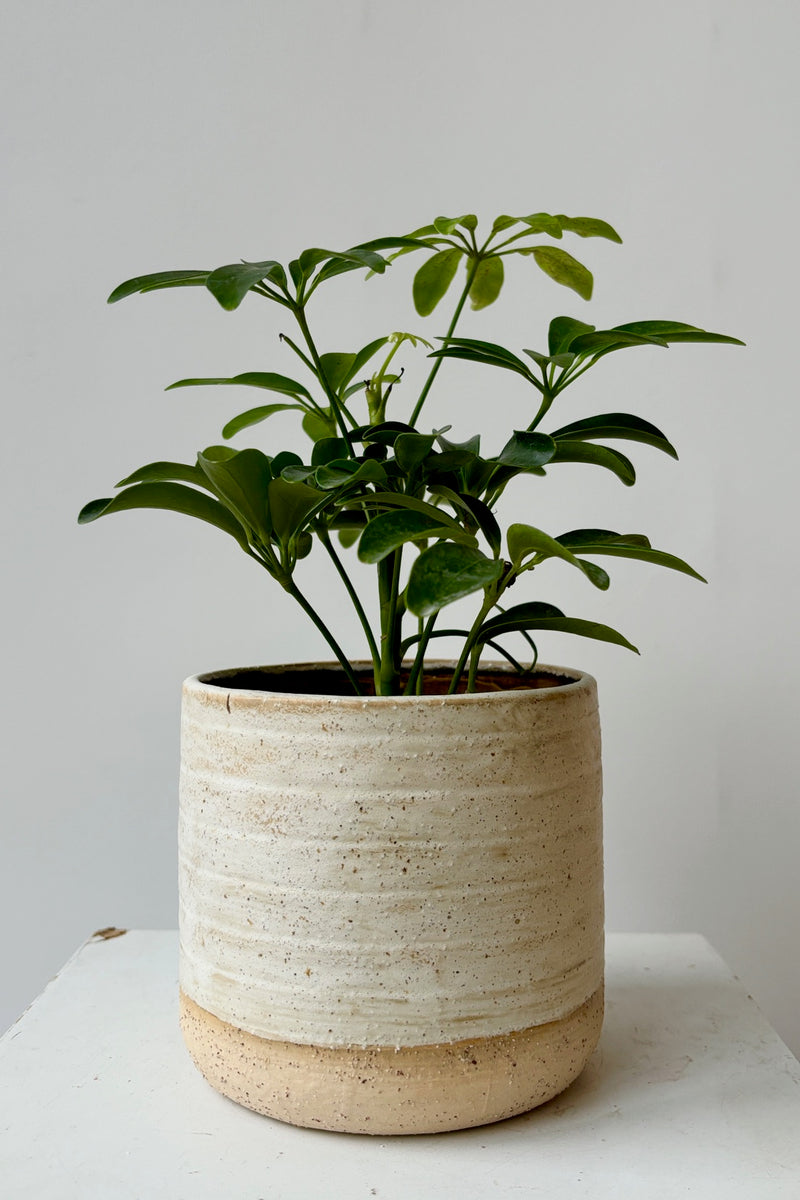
<point x="330" y="680"/>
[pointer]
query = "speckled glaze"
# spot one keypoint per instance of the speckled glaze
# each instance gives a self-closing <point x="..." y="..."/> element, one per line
<point x="391" y="908"/>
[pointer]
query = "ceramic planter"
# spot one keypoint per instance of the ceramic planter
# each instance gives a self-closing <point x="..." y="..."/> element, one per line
<point x="391" y="908"/>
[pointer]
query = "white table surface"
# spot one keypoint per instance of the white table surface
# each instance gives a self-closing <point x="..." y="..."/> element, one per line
<point x="691" y="1093"/>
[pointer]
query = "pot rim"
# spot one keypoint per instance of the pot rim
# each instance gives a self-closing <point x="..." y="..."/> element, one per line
<point x="573" y="680"/>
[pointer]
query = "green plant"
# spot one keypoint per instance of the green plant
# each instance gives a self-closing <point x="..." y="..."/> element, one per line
<point x="392" y="488"/>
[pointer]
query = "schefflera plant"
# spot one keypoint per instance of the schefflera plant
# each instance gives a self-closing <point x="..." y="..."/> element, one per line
<point x="418" y="505"/>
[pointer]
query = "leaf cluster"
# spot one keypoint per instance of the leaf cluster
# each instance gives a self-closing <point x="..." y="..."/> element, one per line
<point x="418" y="507"/>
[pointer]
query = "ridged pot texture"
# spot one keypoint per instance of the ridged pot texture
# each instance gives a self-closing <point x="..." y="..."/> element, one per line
<point x="391" y="908"/>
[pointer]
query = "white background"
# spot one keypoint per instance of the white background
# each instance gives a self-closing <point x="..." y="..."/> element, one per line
<point x="147" y="136"/>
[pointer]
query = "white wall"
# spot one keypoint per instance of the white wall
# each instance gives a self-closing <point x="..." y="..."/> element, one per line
<point x="154" y="135"/>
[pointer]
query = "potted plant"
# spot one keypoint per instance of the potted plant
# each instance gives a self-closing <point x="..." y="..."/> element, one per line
<point x="391" y="869"/>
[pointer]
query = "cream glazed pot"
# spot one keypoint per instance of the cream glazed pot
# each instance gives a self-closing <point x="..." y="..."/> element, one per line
<point x="391" y="908"/>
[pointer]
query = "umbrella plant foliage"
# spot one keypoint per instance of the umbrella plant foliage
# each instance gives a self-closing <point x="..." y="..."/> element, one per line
<point x="418" y="506"/>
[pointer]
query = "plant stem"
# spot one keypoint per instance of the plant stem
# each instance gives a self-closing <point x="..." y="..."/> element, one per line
<point x="294" y="591"/>
<point x="459" y="307"/>
<point x="416" y="670"/>
<point x="389" y="581"/>
<point x="571" y="373"/>
<point x="379" y="407"/>
<point x="548" y="397"/>
<point x="336" y="407"/>
<point x="518" y="667"/>
<point x="490" y="599"/>
<point x="324" y="537"/>
<point x="269" y="294"/>
<point x="285" y="338"/>
<point x="474" y="659"/>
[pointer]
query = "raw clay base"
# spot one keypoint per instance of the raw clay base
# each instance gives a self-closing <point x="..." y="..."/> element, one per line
<point x="380" y="1090"/>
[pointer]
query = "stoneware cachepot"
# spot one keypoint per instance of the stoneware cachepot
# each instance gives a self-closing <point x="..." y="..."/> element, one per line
<point x="391" y="908"/>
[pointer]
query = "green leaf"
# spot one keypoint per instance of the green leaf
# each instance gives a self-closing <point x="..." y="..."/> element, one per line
<point x="563" y="268"/>
<point x="480" y="472"/>
<point x="230" y="284"/>
<point x="616" y="425"/>
<point x="412" y="242"/>
<point x="588" y="227"/>
<point x="161" y="279"/>
<point x="486" y="521"/>
<point x="174" y="497"/>
<point x="428" y="244"/>
<point x="290" y="504"/>
<point x="337" y="368"/>
<point x="448" y="225"/>
<point x="394" y="500"/>
<point x="364" y="355"/>
<point x="471" y="446"/>
<point x="439" y="465"/>
<point x="347" y="472"/>
<point x="269" y="380"/>
<point x="600" y="456"/>
<point x="240" y="479"/>
<point x="676" y="331"/>
<point x="408" y="642"/>
<point x="327" y="449"/>
<point x="347" y="518"/>
<point x="254" y="415"/>
<point x="624" y="548"/>
<point x="319" y="426"/>
<point x="576" y="539"/>
<point x="547" y="360"/>
<point x="445" y="572"/>
<point x="348" y="537"/>
<point x="562" y="331"/>
<point x="525" y="450"/>
<point x="341" y="261"/>
<point x="219" y="453"/>
<point x="399" y="337"/>
<point x="503" y="222"/>
<point x="411" y="450"/>
<point x="433" y="279"/>
<point x="603" y="341"/>
<point x="535" y="615"/>
<point x="543" y="223"/>
<point x="390" y="530"/>
<point x="516" y="618"/>
<point x="477" y="511"/>
<point x="489" y="353"/>
<point x="385" y="433"/>
<point x="297" y="474"/>
<point x="364" y="257"/>
<point x="282" y="460"/>
<point x="487" y="282"/>
<point x="361" y="386"/>
<point x="341" y="266"/>
<point x="309" y="259"/>
<point x="161" y="472"/>
<point x="596" y="574"/>
<point x="527" y="539"/>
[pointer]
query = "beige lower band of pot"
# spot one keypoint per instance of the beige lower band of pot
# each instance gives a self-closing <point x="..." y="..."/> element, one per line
<point x="382" y="1090"/>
